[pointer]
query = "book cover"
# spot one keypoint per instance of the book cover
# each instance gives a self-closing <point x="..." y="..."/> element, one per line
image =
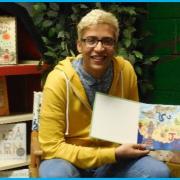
<point x="36" y="110"/>
<point x="8" y="54"/>
<point x="124" y="121"/>
<point x="12" y="142"/>
<point x="4" y="105"/>
<point x="15" y="173"/>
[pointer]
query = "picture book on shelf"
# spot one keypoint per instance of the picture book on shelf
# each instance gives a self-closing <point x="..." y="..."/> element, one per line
<point x="124" y="121"/>
<point x="12" y="142"/>
<point x="15" y="173"/>
<point x="4" y="105"/>
<point x="36" y="109"/>
<point x="8" y="48"/>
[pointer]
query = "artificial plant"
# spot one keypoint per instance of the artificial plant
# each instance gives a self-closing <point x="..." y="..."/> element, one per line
<point x="57" y="22"/>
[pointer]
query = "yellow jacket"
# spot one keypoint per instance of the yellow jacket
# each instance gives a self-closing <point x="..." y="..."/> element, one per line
<point x="65" y="116"/>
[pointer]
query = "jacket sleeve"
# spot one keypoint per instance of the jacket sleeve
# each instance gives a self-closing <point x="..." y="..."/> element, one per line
<point x="52" y="130"/>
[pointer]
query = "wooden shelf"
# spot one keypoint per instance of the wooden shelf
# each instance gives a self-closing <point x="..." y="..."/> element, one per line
<point x="16" y="118"/>
<point x="19" y="69"/>
<point x="14" y="164"/>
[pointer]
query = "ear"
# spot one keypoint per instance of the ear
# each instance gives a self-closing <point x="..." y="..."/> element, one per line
<point x="79" y="46"/>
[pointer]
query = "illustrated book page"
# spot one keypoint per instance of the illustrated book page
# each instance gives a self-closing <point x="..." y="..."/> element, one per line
<point x="125" y="121"/>
<point x="12" y="142"/>
<point x="8" y="54"/>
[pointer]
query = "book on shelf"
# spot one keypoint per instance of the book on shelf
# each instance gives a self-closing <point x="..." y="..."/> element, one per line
<point x="29" y="62"/>
<point x="124" y="121"/>
<point x="8" y="49"/>
<point x="12" y="142"/>
<point x="36" y="109"/>
<point x="15" y="173"/>
<point x="4" y="105"/>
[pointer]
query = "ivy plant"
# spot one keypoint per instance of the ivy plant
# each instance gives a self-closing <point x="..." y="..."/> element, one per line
<point x="57" y="23"/>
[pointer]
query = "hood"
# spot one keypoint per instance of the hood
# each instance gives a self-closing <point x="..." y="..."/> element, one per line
<point x="68" y="72"/>
<point x="66" y="67"/>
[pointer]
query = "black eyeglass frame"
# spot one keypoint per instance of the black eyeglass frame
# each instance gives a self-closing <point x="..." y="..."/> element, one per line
<point x="105" y="41"/>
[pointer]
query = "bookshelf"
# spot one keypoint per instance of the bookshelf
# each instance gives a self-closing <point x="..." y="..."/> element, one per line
<point x="14" y="164"/>
<point x="19" y="69"/>
<point x="22" y="79"/>
<point x="16" y="118"/>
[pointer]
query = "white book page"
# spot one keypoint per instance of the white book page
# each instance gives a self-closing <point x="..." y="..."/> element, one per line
<point x="115" y="119"/>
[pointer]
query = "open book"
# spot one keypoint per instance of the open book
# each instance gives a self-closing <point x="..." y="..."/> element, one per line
<point x="124" y="121"/>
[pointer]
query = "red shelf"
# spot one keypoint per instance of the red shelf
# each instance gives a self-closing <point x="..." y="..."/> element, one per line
<point x="20" y="69"/>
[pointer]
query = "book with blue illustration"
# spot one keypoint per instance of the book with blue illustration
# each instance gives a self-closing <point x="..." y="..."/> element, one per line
<point x="124" y="121"/>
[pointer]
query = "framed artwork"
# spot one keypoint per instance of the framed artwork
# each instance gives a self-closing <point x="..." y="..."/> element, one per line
<point x="8" y="50"/>
<point x="4" y="105"/>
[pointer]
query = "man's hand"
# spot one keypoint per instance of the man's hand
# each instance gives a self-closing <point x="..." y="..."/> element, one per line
<point x="130" y="151"/>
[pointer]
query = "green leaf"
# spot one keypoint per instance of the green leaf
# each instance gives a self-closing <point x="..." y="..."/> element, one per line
<point x="52" y="13"/>
<point x="54" y="6"/>
<point x="52" y="32"/>
<point x="45" y="39"/>
<point x="67" y="35"/>
<point x="64" y="53"/>
<point x="75" y="9"/>
<point x="58" y="27"/>
<point x="131" y="29"/>
<point x="73" y="17"/>
<point x="50" y="48"/>
<point x="154" y="59"/>
<point x="51" y="54"/>
<point x="128" y="10"/>
<point x="61" y="34"/>
<point x="132" y="11"/>
<point x="135" y="42"/>
<point x="38" y="19"/>
<point x="151" y="60"/>
<point x="122" y="52"/>
<point x="72" y="53"/>
<point x="131" y="58"/>
<point x="147" y="62"/>
<point x="149" y="86"/>
<point x="98" y="5"/>
<point x="39" y="7"/>
<point x="127" y="33"/>
<point x="138" y="70"/>
<point x="47" y="23"/>
<point x="83" y="6"/>
<point x="127" y="42"/>
<point x="138" y="54"/>
<point x="63" y="45"/>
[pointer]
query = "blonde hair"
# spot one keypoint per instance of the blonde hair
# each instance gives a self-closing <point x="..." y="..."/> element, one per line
<point x="98" y="16"/>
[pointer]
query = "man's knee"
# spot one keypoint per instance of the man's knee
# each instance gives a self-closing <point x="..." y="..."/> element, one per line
<point x="156" y="168"/>
<point x="57" y="168"/>
<point x="161" y="171"/>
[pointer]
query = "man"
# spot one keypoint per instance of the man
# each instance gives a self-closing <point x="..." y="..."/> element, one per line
<point x="67" y="106"/>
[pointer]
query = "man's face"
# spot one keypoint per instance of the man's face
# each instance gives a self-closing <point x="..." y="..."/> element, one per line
<point x="97" y="47"/>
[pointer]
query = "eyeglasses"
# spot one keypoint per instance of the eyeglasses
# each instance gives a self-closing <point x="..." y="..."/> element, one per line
<point x="92" y="41"/>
